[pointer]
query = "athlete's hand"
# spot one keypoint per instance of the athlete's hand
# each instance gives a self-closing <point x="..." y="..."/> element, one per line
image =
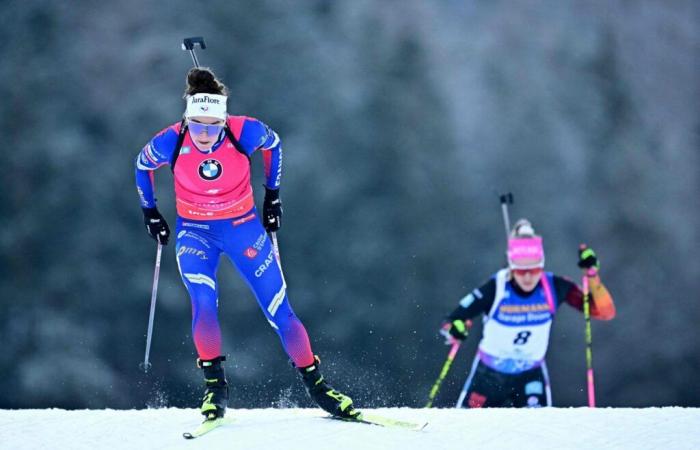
<point x="272" y="210"/>
<point x="156" y="225"/>
<point x="457" y="330"/>
<point x="587" y="259"/>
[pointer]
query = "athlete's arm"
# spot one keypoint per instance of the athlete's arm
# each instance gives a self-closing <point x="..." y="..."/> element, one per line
<point x="602" y="306"/>
<point x="158" y="152"/>
<point x="477" y="302"/>
<point x="255" y="135"/>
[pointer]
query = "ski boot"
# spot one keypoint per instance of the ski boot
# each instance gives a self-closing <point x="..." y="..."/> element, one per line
<point x="330" y="400"/>
<point x="215" y="397"/>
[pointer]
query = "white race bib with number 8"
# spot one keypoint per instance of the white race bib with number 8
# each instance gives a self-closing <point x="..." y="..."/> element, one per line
<point x="515" y="341"/>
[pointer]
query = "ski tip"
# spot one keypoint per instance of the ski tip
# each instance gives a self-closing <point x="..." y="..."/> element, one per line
<point x="371" y="419"/>
<point x="207" y="426"/>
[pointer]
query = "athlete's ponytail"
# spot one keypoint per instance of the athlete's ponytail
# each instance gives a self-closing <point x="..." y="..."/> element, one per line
<point x="201" y="80"/>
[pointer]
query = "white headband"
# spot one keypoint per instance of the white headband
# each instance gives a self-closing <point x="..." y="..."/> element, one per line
<point x="209" y="105"/>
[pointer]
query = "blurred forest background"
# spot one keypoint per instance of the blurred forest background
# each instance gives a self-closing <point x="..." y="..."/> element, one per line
<point x="402" y="121"/>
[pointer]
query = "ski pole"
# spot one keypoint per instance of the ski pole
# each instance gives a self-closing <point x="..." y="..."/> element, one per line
<point x="154" y="293"/>
<point x="281" y="295"/>
<point x="443" y="373"/>
<point x="589" y="339"/>
<point x="276" y="249"/>
<point x="505" y="200"/>
<point x="188" y="45"/>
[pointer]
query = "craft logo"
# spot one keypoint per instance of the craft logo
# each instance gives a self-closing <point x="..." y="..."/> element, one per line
<point x="210" y="169"/>
<point x="263" y="267"/>
<point x="191" y="251"/>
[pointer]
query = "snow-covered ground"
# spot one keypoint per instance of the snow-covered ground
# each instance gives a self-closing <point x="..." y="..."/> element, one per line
<point x="290" y="429"/>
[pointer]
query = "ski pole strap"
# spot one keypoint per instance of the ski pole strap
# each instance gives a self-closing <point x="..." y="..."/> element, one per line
<point x="181" y="138"/>
<point x="236" y="143"/>
<point x="178" y="144"/>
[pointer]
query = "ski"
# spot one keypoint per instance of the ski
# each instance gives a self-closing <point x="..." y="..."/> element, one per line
<point x="386" y="422"/>
<point x="207" y="426"/>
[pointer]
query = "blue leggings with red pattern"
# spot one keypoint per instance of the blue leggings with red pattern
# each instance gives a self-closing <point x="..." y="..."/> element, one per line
<point x="199" y="245"/>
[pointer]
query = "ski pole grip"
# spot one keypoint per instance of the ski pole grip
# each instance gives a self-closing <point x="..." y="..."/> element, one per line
<point x="189" y="43"/>
<point x="506" y="198"/>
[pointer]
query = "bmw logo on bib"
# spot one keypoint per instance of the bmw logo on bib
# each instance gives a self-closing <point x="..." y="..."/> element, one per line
<point x="210" y="169"/>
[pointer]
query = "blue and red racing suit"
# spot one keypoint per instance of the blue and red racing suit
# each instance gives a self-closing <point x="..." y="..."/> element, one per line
<point x="217" y="214"/>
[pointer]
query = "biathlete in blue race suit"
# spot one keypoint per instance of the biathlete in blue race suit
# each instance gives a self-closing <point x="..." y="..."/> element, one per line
<point x="209" y="153"/>
<point x="518" y="304"/>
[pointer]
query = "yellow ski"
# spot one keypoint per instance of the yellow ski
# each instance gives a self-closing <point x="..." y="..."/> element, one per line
<point x="207" y="426"/>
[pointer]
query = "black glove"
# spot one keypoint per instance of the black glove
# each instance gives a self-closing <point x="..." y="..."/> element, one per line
<point x="587" y="258"/>
<point x="156" y="225"/>
<point x="455" y="330"/>
<point x="272" y="210"/>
